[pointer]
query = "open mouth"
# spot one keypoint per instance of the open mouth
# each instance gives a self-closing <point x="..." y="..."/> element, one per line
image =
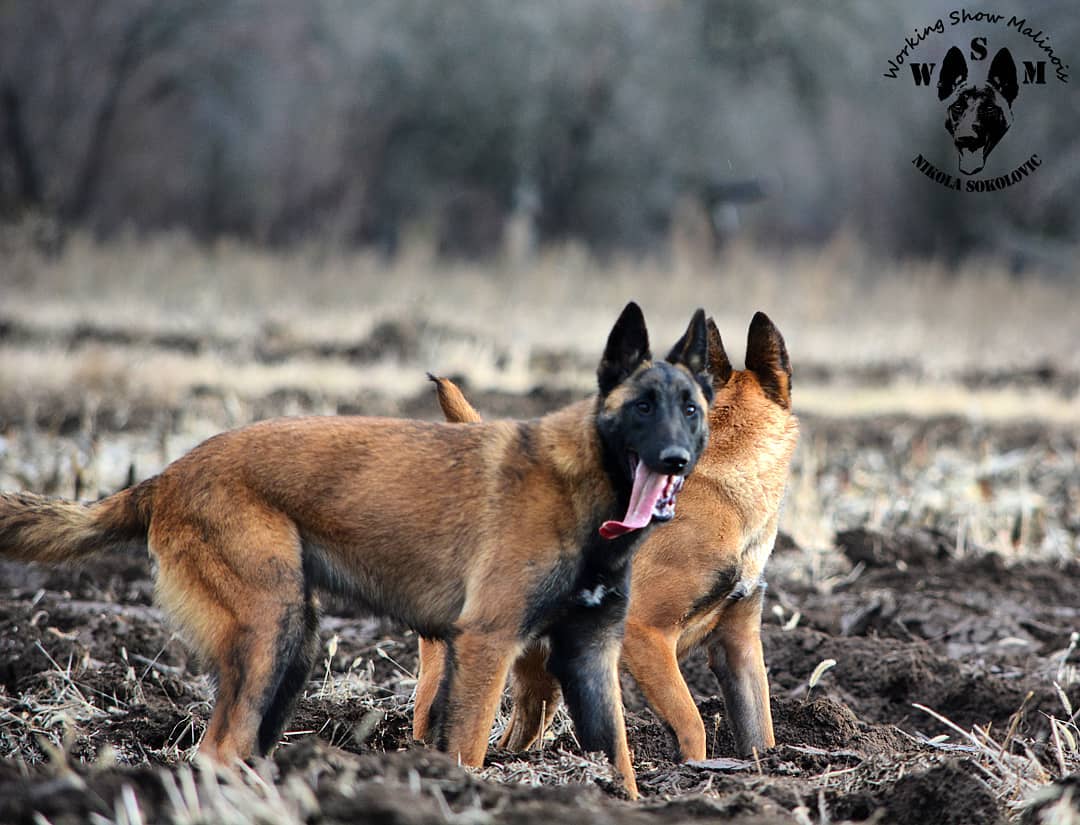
<point x="971" y="160"/>
<point x="652" y="497"/>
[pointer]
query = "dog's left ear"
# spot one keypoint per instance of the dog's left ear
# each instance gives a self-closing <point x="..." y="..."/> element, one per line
<point x="627" y="348"/>
<point x="692" y="351"/>
<point x="1002" y="75"/>
<point x="767" y="358"/>
<point x="953" y="73"/>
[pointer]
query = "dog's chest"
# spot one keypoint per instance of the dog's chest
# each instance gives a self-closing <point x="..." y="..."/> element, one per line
<point x="731" y="586"/>
<point x="595" y="595"/>
<point x="597" y="585"/>
<point x="698" y="627"/>
<point x="754" y="557"/>
<point x="596" y="579"/>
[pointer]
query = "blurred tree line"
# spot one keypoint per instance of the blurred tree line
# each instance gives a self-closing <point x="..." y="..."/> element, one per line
<point x="604" y="121"/>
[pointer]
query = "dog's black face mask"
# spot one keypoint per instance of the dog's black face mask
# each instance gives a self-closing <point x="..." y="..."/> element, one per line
<point x="977" y="116"/>
<point x="653" y="416"/>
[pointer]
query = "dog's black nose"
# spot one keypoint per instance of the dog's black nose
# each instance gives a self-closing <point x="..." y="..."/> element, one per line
<point x="675" y="459"/>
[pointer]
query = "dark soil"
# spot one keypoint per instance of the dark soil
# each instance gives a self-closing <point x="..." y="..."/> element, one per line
<point x="86" y="660"/>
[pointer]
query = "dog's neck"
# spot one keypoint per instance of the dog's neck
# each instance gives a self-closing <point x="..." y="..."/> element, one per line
<point x="571" y="445"/>
<point x="569" y="440"/>
<point x="751" y="442"/>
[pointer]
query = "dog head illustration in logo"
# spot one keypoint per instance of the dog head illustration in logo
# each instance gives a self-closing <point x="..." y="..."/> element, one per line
<point x="978" y="116"/>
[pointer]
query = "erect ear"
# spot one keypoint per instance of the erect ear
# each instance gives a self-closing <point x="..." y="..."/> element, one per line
<point x="767" y="358"/>
<point x="627" y="348"/>
<point x="1002" y="75"/>
<point x="953" y="73"/>
<point x="692" y="351"/>
<point x="719" y="364"/>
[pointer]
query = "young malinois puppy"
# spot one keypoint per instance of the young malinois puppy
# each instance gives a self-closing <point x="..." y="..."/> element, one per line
<point x="483" y="537"/>
<point x="699" y="580"/>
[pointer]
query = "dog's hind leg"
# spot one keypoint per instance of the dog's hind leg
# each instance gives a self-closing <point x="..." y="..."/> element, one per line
<point x="431" y="667"/>
<point x="240" y="600"/>
<point x="738" y="662"/>
<point x="650" y="656"/>
<point x="535" y="695"/>
<point x="585" y="659"/>
<point x="297" y="649"/>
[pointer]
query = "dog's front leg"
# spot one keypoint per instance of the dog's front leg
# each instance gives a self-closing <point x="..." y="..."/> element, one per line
<point x="428" y="679"/>
<point x="650" y="656"/>
<point x="584" y="658"/>
<point x="738" y="662"/>
<point x="474" y="673"/>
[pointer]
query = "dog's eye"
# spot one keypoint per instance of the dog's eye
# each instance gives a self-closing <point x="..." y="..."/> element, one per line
<point x="690" y="410"/>
<point x="643" y="407"/>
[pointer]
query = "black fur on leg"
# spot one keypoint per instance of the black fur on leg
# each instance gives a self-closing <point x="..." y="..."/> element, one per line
<point x="585" y="647"/>
<point x="298" y="647"/>
<point x="437" y="721"/>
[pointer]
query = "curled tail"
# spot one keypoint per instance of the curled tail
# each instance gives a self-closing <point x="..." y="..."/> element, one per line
<point x="36" y="528"/>
<point x="456" y="409"/>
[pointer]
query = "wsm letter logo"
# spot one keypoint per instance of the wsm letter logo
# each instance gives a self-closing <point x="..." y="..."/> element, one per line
<point x="978" y="92"/>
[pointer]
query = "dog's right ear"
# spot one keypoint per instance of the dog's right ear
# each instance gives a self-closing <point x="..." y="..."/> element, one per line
<point x="627" y="349"/>
<point x="692" y="352"/>
<point x="719" y="363"/>
<point x="1002" y="75"/>
<point x="953" y="73"/>
<point x="767" y="358"/>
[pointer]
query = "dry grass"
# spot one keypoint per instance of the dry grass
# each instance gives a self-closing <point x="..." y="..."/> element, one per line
<point x="515" y="325"/>
<point x="835" y="305"/>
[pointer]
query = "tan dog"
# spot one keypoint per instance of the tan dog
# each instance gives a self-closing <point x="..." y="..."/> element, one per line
<point x="697" y="582"/>
<point x="484" y="537"/>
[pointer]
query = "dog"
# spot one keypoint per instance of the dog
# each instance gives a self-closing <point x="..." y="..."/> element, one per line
<point x="977" y="117"/>
<point x="484" y="537"/>
<point x="698" y="582"/>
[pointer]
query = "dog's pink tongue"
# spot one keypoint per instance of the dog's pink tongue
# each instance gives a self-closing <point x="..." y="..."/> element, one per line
<point x="971" y="161"/>
<point x="647" y="489"/>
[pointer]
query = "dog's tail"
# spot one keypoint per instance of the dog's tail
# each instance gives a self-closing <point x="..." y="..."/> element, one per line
<point x="36" y="528"/>
<point x="455" y="407"/>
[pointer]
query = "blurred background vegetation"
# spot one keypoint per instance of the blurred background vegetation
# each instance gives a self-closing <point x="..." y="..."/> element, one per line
<point x="483" y="125"/>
